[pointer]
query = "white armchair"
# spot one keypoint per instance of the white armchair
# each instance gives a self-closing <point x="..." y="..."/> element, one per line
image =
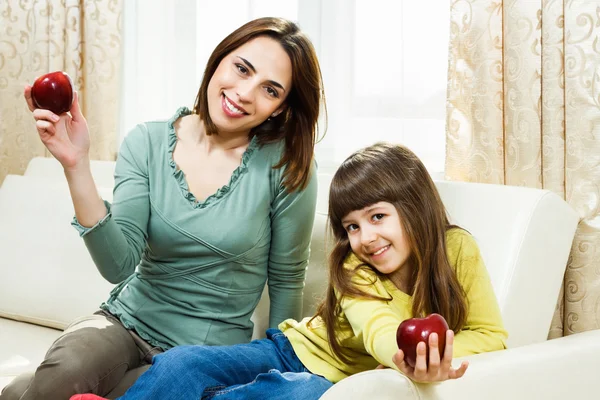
<point x="525" y="235"/>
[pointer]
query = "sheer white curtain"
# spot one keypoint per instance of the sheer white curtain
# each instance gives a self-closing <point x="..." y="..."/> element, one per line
<point x="384" y="65"/>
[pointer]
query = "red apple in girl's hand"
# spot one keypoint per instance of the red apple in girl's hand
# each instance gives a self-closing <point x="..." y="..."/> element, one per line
<point x="53" y="91"/>
<point x="414" y="330"/>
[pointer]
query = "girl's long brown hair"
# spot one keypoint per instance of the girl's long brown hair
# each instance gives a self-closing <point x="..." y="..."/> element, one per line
<point x="394" y="174"/>
<point x="298" y="123"/>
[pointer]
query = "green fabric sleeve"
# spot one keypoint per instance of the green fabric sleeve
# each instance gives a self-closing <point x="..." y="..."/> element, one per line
<point x="116" y="244"/>
<point x="292" y="219"/>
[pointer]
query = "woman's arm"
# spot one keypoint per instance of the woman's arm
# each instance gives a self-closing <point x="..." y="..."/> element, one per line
<point x="115" y="248"/>
<point x="117" y="240"/>
<point x="292" y="219"/>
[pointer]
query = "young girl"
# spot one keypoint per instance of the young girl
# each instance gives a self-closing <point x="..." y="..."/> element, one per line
<point x="395" y="256"/>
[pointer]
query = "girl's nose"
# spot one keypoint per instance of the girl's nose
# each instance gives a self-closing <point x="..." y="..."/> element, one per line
<point x="368" y="236"/>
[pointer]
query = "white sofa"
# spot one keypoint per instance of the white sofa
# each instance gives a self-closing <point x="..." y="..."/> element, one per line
<point x="47" y="279"/>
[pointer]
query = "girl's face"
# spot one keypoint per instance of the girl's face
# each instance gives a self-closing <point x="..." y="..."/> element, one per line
<point x="249" y="85"/>
<point x="377" y="237"/>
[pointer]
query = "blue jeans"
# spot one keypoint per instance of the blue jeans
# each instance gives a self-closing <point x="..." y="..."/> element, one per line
<point x="262" y="369"/>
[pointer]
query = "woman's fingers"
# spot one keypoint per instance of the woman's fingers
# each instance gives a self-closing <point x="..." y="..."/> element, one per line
<point x="44" y="126"/>
<point x="28" y="99"/>
<point x="47" y="115"/>
<point x="75" y="109"/>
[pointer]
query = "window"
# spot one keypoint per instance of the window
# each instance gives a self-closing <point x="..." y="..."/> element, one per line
<point x="384" y="65"/>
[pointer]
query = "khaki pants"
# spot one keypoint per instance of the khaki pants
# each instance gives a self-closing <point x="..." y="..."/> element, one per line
<point x="95" y="354"/>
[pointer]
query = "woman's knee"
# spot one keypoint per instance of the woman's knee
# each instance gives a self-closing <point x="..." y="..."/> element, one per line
<point x="15" y="389"/>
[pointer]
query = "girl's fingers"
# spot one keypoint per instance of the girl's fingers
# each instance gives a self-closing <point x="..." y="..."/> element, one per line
<point x="447" y="358"/>
<point x="28" y="99"/>
<point x="421" y="363"/>
<point x="458" y="373"/>
<point x="398" y="359"/>
<point x="434" y="355"/>
<point x="41" y="114"/>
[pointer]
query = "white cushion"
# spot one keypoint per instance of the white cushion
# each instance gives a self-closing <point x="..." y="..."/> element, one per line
<point x="50" y="168"/>
<point x="22" y="347"/>
<point x="48" y="276"/>
<point x="525" y="237"/>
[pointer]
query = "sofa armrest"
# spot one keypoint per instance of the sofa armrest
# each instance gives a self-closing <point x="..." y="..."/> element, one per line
<point x="556" y="369"/>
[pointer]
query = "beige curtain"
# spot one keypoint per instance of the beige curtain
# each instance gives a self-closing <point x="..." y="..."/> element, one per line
<point x="524" y="109"/>
<point x="81" y="37"/>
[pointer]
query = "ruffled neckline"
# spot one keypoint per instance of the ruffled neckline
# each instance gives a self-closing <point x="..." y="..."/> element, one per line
<point x="180" y="176"/>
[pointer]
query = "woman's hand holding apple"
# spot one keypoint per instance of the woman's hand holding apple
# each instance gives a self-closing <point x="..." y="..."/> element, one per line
<point x="66" y="136"/>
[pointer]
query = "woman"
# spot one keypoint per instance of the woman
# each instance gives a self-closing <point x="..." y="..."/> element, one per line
<point x="206" y="208"/>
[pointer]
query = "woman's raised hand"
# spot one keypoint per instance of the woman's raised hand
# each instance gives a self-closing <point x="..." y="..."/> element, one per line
<point x="439" y="369"/>
<point x="66" y="136"/>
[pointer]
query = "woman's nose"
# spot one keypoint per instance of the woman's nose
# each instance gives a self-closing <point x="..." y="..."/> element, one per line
<point x="245" y="92"/>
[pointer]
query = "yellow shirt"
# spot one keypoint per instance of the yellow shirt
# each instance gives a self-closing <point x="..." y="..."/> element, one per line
<point x="368" y="327"/>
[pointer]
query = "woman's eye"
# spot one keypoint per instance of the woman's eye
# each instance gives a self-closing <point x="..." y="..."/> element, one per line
<point x="378" y="217"/>
<point x="272" y="92"/>
<point x="241" y="68"/>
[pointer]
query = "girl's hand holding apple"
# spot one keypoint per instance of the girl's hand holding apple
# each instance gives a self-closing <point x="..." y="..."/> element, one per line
<point x="421" y="342"/>
<point x="436" y="368"/>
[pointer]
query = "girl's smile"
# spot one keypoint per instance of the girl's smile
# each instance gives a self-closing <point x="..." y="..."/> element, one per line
<point x="377" y="237"/>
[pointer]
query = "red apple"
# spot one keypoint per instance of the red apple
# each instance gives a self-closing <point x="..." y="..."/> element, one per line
<point x="53" y="91"/>
<point x="414" y="330"/>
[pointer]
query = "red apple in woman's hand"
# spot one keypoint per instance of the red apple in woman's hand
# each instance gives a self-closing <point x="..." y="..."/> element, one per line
<point x="414" y="330"/>
<point x="53" y="91"/>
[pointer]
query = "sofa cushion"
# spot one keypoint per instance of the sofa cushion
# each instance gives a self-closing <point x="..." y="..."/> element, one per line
<point x="22" y="347"/>
<point x="48" y="276"/>
<point x="50" y="168"/>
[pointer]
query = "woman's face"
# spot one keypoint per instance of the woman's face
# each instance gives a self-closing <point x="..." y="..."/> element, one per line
<point x="250" y="85"/>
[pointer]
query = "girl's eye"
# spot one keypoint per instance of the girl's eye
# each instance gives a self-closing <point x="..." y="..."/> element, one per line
<point x="377" y="217"/>
<point x="351" y="228"/>
<point x="272" y="92"/>
<point x="241" y="68"/>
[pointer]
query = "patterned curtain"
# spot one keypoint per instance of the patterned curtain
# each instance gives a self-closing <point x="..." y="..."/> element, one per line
<point x="81" y="37"/>
<point x="524" y="109"/>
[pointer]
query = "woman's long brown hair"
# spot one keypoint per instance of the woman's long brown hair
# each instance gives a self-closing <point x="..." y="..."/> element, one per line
<point x="394" y="174"/>
<point x="298" y="123"/>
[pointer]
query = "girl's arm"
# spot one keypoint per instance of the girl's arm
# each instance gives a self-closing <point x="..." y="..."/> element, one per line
<point x="292" y="219"/>
<point x="375" y="321"/>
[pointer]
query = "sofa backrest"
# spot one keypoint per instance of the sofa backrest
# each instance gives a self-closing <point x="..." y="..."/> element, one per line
<point x="525" y="236"/>
<point x="47" y="276"/>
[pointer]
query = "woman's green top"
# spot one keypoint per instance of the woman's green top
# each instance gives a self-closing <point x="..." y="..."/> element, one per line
<point x="189" y="271"/>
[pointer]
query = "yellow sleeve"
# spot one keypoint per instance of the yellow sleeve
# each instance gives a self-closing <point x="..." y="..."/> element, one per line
<point x="484" y="330"/>
<point x="375" y="320"/>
